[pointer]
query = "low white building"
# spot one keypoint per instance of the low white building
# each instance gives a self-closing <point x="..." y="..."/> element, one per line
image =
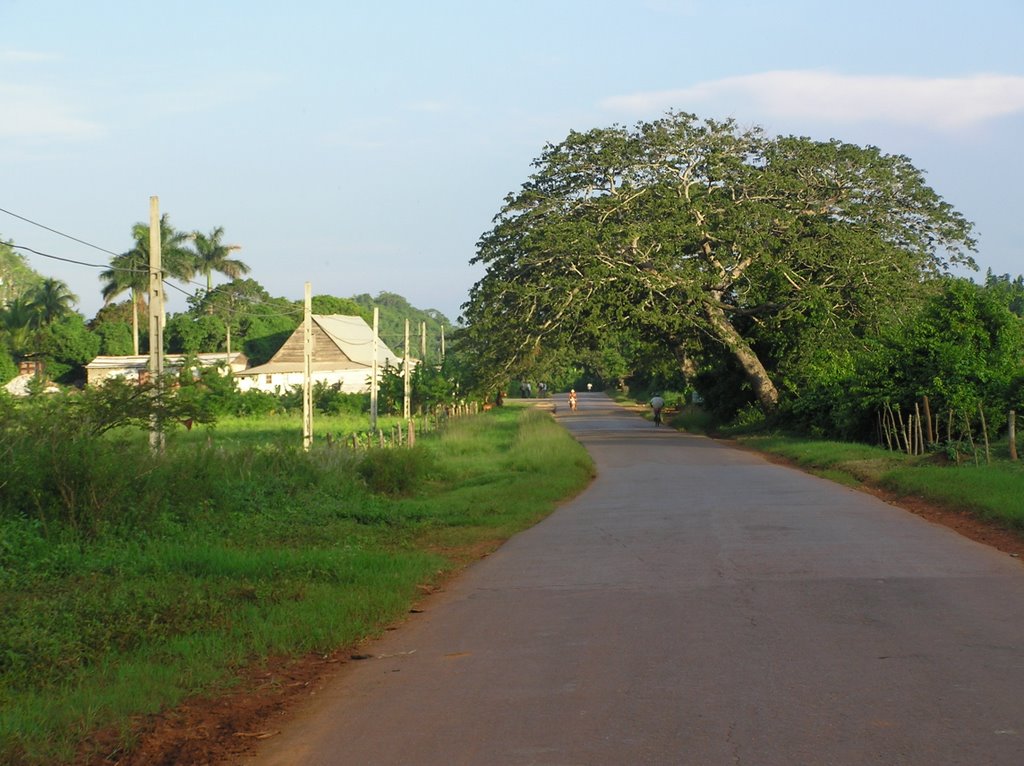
<point x="137" y="367"/>
<point x="342" y="354"/>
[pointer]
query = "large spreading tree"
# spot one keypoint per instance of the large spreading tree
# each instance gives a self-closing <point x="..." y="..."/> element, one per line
<point x="702" y="234"/>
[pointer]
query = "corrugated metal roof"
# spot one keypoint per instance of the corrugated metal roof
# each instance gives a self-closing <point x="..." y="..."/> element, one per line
<point x="355" y="338"/>
<point x="140" y="362"/>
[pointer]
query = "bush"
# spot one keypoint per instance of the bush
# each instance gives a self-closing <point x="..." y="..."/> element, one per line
<point x="331" y="400"/>
<point x="395" y="471"/>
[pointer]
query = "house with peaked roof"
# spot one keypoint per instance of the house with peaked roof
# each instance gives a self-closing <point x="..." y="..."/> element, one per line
<point x="342" y="354"/>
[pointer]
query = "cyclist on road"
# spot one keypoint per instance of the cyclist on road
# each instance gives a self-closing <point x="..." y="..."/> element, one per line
<point x="657" y="404"/>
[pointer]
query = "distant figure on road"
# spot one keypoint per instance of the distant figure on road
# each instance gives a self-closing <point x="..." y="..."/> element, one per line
<point x="657" y="404"/>
<point x="572" y="399"/>
<point x="590" y="386"/>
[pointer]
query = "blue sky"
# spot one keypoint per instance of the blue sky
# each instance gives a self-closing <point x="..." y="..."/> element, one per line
<point x="365" y="146"/>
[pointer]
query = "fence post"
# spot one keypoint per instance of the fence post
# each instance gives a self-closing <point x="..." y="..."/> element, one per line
<point x="412" y="433"/>
<point x="928" y="421"/>
<point x="1012" y="430"/>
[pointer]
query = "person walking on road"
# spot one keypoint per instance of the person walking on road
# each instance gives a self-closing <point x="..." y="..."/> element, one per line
<point x="572" y="399"/>
<point x="657" y="404"/>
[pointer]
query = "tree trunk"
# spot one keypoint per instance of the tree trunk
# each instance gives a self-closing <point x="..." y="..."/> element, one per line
<point x="686" y="364"/>
<point x="765" y="391"/>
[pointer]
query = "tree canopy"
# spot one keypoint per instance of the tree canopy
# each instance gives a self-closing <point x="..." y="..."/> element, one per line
<point x="705" y="238"/>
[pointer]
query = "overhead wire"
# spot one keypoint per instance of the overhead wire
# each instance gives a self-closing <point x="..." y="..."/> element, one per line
<point x="55" y="231"/>
<point x="126" y="269"/>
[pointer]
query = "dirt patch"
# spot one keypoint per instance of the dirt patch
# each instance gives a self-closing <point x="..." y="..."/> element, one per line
<point x="204" y="731"/>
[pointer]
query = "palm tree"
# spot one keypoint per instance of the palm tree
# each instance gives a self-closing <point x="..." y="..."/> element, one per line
<point x="17" y="318"/>
<point x="24" y="318"/>
<point x="176" y="259"/>
<point x="51" y="300"/>
<point x="129" y="271"/>
<point x="212" y="255"/>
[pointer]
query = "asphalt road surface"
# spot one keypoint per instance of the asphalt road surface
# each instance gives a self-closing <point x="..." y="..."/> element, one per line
<point x="696" y="605"/>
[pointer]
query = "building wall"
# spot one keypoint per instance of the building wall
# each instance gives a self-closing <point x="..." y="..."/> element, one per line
<point x="353" y="381"/>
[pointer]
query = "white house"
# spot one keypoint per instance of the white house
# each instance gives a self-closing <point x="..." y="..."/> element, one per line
<point x="342" y="353"/>
<point x="135" y="367"/>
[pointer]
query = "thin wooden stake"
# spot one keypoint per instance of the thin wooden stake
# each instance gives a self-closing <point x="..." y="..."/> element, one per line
<point x="970" y="438"/>
<point x="920" y="432"/>
<point x="903" y="428"/>
<point x="1012" y="433"/>
<point x="984" y="433"/>
<point x="928" y="419"/>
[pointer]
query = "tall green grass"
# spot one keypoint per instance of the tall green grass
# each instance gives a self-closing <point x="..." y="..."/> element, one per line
<point x="166" y="582"/>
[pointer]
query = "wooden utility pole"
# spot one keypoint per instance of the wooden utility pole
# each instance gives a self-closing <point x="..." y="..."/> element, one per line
<point x="442" y="344"/>
<point x="1012" y="433"/>
<point x="407" y="380"/>
<point x="156" y="319"/>
<point x="307" y="368"/>
<point x="373" y="372"/>
<point x="423" y="342"/>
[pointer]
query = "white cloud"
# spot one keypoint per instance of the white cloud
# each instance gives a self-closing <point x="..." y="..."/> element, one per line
<point x="948" y="103"/>
<point x="41" y="114"/>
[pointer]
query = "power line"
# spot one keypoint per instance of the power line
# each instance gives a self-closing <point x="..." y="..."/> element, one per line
<point x="55" y="257"/>
<point x="55" y="231"/>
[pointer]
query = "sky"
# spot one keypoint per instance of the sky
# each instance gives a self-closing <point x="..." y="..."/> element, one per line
<point x="365" y="146"/>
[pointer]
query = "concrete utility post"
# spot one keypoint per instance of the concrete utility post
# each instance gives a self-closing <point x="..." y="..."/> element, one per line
<point x="407" y="382"/>
<point x="156" y="318"/>
<point x="307" y="368"/>
<point x="373" y="372"/>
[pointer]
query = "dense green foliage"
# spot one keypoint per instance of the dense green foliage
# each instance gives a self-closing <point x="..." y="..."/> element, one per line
<point x="961" y="347"/>
<point x="158" y="587"/>
<point x="394" y="310"/>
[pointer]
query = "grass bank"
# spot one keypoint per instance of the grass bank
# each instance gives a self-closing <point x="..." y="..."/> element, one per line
<point x="994" y="492"/>
<point x="238" y="552"/>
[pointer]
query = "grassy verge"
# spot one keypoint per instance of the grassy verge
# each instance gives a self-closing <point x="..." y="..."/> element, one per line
<point x="243" y="552"/>
<point x="992" y="491"/>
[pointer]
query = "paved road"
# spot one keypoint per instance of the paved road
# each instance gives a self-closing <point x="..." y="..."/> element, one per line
<point x="696" y="605"/>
